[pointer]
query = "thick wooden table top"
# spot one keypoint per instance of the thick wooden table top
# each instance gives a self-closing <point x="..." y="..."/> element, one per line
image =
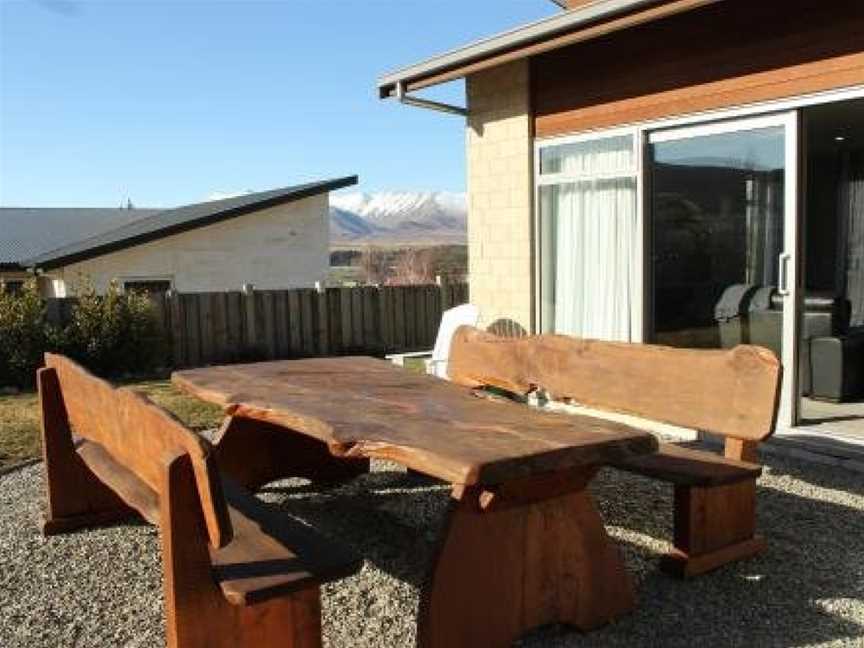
<point x="365" y="407"/>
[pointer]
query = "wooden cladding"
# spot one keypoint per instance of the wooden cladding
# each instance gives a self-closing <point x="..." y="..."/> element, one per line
<point x="731" y="53"/>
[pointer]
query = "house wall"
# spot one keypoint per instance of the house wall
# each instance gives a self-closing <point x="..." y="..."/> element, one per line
<point x="725" y="54"/>
<point x="499" y="155"/>
<point x="286" y="246"/>
<point x="722" y="55"/>
<point x="12" y="275"/>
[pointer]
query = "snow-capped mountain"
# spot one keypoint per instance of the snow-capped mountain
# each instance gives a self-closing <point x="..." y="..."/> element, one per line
<point x="398" y="217"/>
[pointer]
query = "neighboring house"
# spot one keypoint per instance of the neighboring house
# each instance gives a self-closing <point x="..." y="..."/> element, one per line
<point x="630" y="162"/>
<point x="270" y="239"/>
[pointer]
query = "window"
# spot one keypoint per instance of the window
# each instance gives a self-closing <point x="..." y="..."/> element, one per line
<point x="150" y="286"/>
<point x="12" y="286"/>
<point x="588" y="237"/>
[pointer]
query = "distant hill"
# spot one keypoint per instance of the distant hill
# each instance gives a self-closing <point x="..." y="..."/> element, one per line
<point x="398" y="218"/>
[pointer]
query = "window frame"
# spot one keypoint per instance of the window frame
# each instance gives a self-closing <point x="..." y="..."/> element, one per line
<point x="124" y="281"/>
<point x="550" y="179"/>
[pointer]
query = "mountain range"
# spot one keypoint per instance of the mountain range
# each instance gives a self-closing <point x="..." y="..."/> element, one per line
<point x="398" y="218"/>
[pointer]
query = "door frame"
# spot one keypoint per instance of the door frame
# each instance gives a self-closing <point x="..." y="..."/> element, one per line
<point x="789" y="271"/>
<point x="788" y="414"/>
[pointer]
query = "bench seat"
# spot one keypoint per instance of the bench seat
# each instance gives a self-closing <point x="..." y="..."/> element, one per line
<point x="729" y="393"/>
<point x="688" y="467"/>
<point x="270" y="553"/>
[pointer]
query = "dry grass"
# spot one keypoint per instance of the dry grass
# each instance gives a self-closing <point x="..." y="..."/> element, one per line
<point x="19" y="428"/>
<point x="195" y="414"/>
<point x="19" y="418"/>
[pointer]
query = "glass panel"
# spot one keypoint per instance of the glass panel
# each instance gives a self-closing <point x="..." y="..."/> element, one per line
<point x="832" y="305"/>
<point x="717" y="232"/>
<point x="588" y="240"/>
<point x="607" y="156"/>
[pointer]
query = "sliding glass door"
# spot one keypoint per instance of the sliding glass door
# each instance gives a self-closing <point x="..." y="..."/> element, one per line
<point x="723" y="223"/>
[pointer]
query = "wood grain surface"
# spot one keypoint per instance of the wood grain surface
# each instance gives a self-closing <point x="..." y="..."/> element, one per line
<point x="730" y="392"/>
<point x="140" y="436"/>
<point x="364" y="407"/>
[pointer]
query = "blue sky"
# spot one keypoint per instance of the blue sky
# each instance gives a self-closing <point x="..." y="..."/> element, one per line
<point x="169" y="102"/>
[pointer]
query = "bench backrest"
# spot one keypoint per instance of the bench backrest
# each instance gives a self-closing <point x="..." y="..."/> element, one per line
<point x="732" y="393"/>
<point x="141" y="436"/>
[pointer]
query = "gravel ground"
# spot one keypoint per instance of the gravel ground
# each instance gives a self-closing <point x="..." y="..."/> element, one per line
<point x="102" y="587"/>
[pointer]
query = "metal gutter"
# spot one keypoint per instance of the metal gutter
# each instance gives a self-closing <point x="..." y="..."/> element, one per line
<point x="419" y="102"/>
<point x="532" y="33"/>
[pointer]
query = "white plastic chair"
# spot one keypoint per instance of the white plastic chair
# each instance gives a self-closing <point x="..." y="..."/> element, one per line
<point x="436" y="359"/>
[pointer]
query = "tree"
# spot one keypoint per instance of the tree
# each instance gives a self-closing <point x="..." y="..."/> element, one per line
<point x="374" y="263"/>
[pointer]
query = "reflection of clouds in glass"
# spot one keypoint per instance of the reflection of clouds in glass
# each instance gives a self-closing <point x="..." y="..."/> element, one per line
<point x="62" y="7"/>
<point x="762" y="150"/>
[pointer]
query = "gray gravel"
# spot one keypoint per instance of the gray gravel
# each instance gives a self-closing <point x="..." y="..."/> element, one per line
<point x="102" y="587"/>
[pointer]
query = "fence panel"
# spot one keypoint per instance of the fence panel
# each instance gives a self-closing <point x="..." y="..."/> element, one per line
<point x="234" y="326"/>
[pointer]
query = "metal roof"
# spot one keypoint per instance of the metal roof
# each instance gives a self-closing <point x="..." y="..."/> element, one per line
<point x="161" y="223"/>
<point x="530" y="34"/>
<point x="30" y="231"/>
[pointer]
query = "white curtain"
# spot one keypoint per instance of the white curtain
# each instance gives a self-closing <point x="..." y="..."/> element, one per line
<point x="852" y="230"/>
<point x="764" y="226"/>
<point x="589" y="233"/>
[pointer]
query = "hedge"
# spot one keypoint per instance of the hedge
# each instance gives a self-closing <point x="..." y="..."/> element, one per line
<point x="114" y="334"/>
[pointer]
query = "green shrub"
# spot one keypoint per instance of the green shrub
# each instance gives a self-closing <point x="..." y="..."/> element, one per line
<point x="23" y="335"/>
<point x="115" y="334"/>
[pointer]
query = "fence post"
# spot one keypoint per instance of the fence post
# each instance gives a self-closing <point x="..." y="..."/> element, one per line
<point x="444" y="289"/>
<point x="172" y="303"/>
<point x="323" y="332"/>
<point x="248" y="291"/>
<point x="385" y="318"/>
<point x="53" y="311"/>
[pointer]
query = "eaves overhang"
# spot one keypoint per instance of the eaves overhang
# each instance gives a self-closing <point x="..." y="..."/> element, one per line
<point x="594" y="20"/>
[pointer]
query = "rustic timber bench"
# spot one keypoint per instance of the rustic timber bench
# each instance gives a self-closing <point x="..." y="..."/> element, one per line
<point x="235" y="574"/>
<point x="730" y="393"/>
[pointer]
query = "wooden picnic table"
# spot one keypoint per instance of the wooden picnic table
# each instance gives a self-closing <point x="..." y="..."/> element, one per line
<point x="523" y="545"/>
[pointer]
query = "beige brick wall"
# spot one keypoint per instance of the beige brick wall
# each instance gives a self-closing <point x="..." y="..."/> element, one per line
<point x="500" y="194"/>
<point x="286" y="246"/>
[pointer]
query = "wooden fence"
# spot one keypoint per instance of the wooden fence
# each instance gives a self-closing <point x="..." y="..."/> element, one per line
<point x="211" y="328"/>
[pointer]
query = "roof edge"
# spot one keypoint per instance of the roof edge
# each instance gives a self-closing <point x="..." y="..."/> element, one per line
<point x="57" y="259"/>
<point x="572" y="20"/>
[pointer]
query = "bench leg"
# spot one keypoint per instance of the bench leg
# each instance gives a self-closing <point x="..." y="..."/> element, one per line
<point x="254" y="453"/>
<point x="76" y="497"/>
<point x="713" y="526"/>
<point x="499" y="573"/>
<point x="197" y="615"/>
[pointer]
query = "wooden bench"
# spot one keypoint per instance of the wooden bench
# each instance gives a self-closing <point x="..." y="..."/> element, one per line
<point x="235" y="573"/>
<point x="730" y="393"/>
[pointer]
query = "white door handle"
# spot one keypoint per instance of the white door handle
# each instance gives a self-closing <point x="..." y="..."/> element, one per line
<point x="783" y="274"/>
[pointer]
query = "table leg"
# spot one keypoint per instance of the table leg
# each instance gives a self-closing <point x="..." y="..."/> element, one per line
<point x="507" y="565"/>
<point x="255" y="452"/>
